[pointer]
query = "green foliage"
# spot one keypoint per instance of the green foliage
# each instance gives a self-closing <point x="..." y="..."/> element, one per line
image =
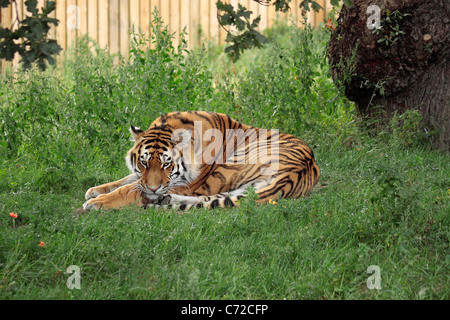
<point x="246" y="36"/>
<point x="389" y="30"/>
<point x="348" y="3"/>
<point x="30" y="38"/>
<point x="289" y="87"/>
<point x="405" y="130"/>
<point x="4" y="3"/>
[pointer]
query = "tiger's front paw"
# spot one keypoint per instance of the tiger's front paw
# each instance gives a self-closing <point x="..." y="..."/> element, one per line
<point x="164" y="200"/>
<point x="91" y="193"/>
<point x="93" y="204"/>
<point x="161" y="202"/>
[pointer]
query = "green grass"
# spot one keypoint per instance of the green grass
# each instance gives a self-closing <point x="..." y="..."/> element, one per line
<point x="383" y="198"/>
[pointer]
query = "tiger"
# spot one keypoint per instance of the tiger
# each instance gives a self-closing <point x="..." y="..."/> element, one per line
<point x="200" y="159"/>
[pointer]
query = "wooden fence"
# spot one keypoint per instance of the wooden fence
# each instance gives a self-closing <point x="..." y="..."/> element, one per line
<point x="109" y="22"/>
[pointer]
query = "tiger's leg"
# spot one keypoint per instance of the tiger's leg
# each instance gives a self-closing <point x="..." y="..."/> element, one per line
<point x="293" y="184"/>
<point x="118" y="198"/>
<point x="111" y="186"/>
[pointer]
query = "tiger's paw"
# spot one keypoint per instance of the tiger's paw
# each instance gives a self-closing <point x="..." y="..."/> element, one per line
<point x="163" y="201"/>
<point x="93" y="204"/>
<point x="91" y="193"/>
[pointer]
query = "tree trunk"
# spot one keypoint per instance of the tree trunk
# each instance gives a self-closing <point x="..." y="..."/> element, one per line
<point x="407" y="58"/>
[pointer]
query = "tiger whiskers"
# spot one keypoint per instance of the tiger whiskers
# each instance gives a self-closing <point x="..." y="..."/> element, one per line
<point x="136" y="187"/>
<point x="176" y="184"/>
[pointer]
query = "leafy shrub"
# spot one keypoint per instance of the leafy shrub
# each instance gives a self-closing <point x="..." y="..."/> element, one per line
<point x="289" y="87"/>
<point x="407" y="129"/>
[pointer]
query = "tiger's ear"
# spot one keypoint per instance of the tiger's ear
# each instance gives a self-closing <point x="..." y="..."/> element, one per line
<point x="136" y="133"/>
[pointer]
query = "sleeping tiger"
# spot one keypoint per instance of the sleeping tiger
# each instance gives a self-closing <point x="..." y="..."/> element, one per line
<point x="207" y="160"/>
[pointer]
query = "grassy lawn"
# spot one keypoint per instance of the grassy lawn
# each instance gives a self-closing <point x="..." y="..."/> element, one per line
<point x="383" y="198"/>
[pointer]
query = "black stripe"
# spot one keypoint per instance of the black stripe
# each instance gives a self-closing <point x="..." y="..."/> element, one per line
<point x="163" y="142"/>
<point x="214" y="204"/>
<point x="228" y="203"/>
<point x="133" y="160"/>
<point x="185" y="121"/>
<point x="207" y="118"/>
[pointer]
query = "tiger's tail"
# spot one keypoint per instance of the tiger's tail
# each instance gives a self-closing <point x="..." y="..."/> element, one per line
<point x="217" y="201"/>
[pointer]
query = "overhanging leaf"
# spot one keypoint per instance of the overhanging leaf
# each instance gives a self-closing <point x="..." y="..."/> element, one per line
<point x="4" y="3"/>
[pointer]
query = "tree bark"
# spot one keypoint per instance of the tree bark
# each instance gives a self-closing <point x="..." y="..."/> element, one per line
<point x="412" y="67"/>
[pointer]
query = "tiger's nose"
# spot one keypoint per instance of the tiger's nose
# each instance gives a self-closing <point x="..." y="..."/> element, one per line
<point x="153" y="189"/>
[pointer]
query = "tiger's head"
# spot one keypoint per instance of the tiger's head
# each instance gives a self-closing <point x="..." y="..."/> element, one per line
<point x="157" y="159"/>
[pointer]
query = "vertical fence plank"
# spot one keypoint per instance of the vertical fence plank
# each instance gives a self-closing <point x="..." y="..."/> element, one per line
<point x="320" y="15"/>
<point x="134" y="15"/>
<point x="52" y="31"/>
<point x="296" y="12"/>
<point x="17" y="15"/>
<point x="204" y="19"/>
<point x="271" y="16"/>
<point x="164" y="7"/>
<point x="185" y="18"/>
<point x="194" y="13"/>
<point x="6" y="22"/>
<point x="222" y="32"/>
<point x="93" y="19"/>
<point x="61" y="30"/>
<point x="174" y="25"/>
<point x="213" y="23"/>
<point x="328" y="7"/>
<point x="6" y="15"/>
<point x="83" y="27"/>
<point x="114" y="26"/>
<point x="263" y="11"/>
<point x="72" y="21"/>
<point x="124" y="27"/>
<point x="144" y="18"/>
<point x="103" y="23"/>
